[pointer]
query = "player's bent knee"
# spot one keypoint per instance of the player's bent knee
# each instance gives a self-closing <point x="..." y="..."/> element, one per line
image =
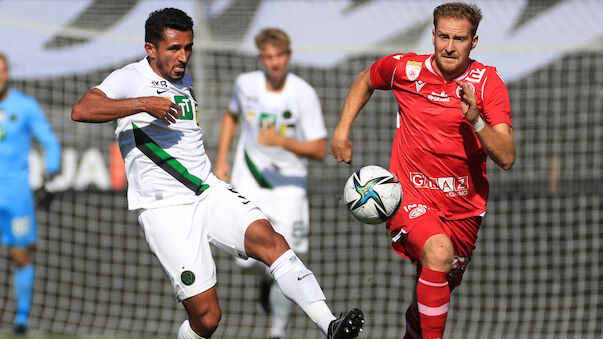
<point x="438" y="253"/>
<point x="20" y="256"/>
<point x="262" y="242"/>
<point x="204" y="312"/>
<point x="277" y="243"/>
<point x="212" y="320"/>
<point x="207" y="323"/>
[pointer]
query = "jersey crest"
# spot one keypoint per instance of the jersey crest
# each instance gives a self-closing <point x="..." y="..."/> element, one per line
<point x="413" y="69"/>
<point x="459" y="89"/>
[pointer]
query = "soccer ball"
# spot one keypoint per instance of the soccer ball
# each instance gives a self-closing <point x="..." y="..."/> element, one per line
<point x="373" y="194"/>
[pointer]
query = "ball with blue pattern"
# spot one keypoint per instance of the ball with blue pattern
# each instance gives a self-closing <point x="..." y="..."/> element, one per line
<point x="373" y="194"/>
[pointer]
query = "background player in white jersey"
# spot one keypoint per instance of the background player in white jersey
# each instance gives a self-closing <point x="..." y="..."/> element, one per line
<point x="182" y="207"/>
<point x="282" y="127"/>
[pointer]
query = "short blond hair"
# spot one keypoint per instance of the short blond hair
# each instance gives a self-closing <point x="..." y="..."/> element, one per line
<point x="459" y="10"/>
<point x="273" y="36"/>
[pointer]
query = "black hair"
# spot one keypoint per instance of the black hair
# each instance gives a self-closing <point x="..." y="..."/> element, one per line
<point x="161" y="19"/>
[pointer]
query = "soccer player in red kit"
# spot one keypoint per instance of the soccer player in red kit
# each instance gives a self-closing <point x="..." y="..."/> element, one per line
<point x="452" y="112"/>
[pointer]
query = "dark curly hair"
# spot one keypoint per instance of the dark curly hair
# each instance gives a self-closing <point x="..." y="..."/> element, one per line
<point x="161" y="19"/>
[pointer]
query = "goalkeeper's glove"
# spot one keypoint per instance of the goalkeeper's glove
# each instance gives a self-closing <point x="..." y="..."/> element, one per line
<point x="42" y="196"/>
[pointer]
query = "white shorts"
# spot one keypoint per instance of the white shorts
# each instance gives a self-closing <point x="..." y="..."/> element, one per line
<point x="180" y="235"/>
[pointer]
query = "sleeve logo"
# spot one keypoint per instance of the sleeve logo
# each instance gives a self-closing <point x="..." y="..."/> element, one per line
<point x="476" y="75"/>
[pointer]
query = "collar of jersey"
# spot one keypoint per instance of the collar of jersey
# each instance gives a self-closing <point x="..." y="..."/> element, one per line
<point x="430" y="68"/>
<point x="146" y="68"/>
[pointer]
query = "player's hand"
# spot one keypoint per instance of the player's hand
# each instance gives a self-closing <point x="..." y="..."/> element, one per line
<point x="341" y="149"/>
<point x="270" y="137"/>
<point x="42" y="196"/>
<point x="163" y="109"/>
<point x="221" y="171"/>
<point x="468" y="102"/>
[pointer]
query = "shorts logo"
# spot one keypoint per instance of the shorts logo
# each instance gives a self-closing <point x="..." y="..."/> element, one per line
<point x="21" y="226"/>
<point x="187" y="277"/>
<point x="417" y="212"/>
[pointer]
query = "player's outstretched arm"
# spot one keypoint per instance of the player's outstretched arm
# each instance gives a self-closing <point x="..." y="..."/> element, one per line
<point x="361" y="91"/>
<point x="95" y="106"/>
<point x="227" y="130"/>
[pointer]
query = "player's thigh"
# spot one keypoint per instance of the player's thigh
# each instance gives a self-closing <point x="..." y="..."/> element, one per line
<point x="177" y="236"/>
<point x="228" y="216"/>
<point x="18" y="221"/>
<point x="410" y="239"/>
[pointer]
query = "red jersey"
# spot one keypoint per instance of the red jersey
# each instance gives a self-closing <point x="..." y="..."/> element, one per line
<point x="436" y="155"/>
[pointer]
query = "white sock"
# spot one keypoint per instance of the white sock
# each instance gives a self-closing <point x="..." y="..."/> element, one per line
<point x="282" y="307"/>
<point x="300" y="285"/>
<point x="186" y="332"/>
<point x="320" y="314"/>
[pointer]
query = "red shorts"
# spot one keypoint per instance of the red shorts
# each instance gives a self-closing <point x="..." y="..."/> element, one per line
<point x="415" y="222"/>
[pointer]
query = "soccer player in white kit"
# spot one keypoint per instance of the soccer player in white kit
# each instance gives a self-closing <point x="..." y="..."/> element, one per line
<point x="282" y="127"/>
<point x="182" y="207"/>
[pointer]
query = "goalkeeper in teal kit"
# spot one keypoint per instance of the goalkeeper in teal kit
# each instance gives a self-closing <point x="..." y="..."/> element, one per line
<point x="20" y="119"/>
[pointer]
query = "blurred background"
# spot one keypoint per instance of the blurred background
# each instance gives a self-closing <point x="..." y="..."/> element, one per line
<point x="538" y="266"/>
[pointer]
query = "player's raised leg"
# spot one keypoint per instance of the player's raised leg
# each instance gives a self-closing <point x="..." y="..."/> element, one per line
<point x="297" y="282"/>
<point x="204" y="315"/>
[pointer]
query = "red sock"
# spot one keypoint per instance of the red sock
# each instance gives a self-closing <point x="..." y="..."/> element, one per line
<point x="433" y="298"/>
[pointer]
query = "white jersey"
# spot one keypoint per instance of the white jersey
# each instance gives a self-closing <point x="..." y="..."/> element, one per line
<point x="165" y="165"/>
<point x="296" y="114"/>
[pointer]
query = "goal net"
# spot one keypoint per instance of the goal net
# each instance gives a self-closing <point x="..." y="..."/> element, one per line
<point x="537" y="268"/>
